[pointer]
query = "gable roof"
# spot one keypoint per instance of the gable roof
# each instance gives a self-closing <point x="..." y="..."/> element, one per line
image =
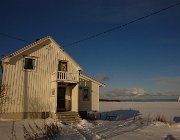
<point x="34" y="44"/>
<point x="92" y="79"/>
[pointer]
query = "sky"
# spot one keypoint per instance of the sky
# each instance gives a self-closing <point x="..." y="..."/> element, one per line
<point x="141" y="59"/>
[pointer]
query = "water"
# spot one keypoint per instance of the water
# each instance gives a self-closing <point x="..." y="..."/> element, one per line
<point x="149" y="100"/>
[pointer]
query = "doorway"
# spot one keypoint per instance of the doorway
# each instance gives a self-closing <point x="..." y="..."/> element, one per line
<point x="61" y="99"/>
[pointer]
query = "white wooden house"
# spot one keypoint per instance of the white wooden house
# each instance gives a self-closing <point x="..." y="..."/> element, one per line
<point x="42" y="78"/>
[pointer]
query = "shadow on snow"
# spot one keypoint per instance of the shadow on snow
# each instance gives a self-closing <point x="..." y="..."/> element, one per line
<point x="114" y="115"/>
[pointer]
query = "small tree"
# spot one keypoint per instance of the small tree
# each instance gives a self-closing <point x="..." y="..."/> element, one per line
<point x="3" y="95"/>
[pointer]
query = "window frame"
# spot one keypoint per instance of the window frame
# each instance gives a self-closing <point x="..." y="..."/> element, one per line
<point x="59" y="65"/>
<point x="33" y="62"/>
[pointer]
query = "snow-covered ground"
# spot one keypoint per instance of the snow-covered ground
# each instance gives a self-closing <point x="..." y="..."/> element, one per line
<point x="123" y="127"/>
<point x="170" y="110"/>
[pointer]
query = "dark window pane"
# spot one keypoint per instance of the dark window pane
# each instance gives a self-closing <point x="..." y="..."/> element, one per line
<point x="29" y="63"/>
<point x="85" y="94"/>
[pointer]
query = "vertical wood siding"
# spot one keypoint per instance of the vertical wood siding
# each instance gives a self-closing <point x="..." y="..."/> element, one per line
<point x="36" y="83"/>
<point x="95" y="97"/>
<point x="85" y="105"/>
<point x="92" y="104"/>
<point x="74" y="98"/>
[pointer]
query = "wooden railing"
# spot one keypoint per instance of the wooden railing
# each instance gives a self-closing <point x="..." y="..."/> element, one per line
<point x="65" y="76"/>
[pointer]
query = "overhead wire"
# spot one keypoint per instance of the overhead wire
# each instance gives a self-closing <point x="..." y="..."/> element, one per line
<point x="15" y="38"/>
<point x="120" y="26"/>
<point x="103" y="32"/>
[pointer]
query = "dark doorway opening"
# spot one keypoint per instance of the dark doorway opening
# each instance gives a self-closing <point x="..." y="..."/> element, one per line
<point x="61" y="99"/>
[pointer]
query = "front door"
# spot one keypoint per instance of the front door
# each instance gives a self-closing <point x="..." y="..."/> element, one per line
<point x="61" y="99"/>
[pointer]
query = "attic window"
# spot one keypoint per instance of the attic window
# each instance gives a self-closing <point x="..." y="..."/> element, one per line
<point x="29" y="64"/>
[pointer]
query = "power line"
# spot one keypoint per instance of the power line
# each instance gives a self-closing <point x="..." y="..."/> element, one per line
<point x="120" y="26"/>
<point x="12" y="37"/>
<point x="15" y="38"/>
<point x="101" y="33"/>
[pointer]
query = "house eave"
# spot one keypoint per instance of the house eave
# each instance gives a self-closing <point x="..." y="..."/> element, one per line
<point x="92" y="79"/>
<point x="20" y="51"/>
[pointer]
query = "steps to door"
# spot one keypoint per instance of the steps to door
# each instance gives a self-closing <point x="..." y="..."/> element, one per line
<point x="68" y="117"/>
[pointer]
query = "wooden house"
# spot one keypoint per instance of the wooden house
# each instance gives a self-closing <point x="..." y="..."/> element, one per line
<point x="42" y="79"/>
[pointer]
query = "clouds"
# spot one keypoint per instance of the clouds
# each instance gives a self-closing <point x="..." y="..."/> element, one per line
<point x="135" y="91"/>
<point x="140" y="93"/>
<point x="121" y="93"/>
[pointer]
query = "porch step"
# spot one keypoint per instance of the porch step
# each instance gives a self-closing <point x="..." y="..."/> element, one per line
<point x="68" y="117"/>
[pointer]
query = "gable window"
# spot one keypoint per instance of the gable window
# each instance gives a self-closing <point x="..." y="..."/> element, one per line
<point x="62" y="66"/>
<point x="85" y="94"/>
<point x="29" y="64"/>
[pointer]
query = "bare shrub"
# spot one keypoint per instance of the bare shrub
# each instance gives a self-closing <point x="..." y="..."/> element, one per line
<point x="160" y="118"/>
<point x="3" y="96"/>
<point x="36" y="132"/>
<point x="3" y="89"/>
<point x="146" y="119"/>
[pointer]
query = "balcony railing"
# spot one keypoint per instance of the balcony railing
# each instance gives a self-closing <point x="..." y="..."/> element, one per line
<point x="65" y="76"/>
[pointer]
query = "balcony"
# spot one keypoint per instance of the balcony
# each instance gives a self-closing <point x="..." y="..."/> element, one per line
<point x="61" y="76"/>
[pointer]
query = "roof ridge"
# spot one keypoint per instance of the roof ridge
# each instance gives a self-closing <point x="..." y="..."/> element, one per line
<point x="26" y="47"/>
<point x="36" y="43"/>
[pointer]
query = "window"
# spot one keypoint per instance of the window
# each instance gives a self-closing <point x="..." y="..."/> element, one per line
<point x="62" y="66"/>
<point x="29" y="64"/>
<point x="53" y="92"/>
<point x="85" y="94"/>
